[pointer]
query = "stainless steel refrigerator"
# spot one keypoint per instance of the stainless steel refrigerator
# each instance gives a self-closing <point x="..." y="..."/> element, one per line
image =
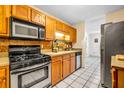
<point x="112" y="43"/>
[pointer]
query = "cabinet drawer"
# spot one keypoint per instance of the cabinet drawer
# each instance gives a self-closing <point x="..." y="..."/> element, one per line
<point x="73" y="58"/>
<point x="54" y="59"/>
<point x="66" y="57"/>
<point x="73" y="55"/>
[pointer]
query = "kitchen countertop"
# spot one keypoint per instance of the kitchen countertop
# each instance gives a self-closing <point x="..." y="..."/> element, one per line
<point x="60" y="52"/>
<point x="4" y="61"/>
<point x="117" y="63"/>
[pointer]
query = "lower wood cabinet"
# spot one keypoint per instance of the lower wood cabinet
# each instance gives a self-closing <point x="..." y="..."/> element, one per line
<point x="72" y="63"/>
<point x="62" y="66"/>
<point x="56" y="69"/>
<point x="117" y="77"/>
<point x="66" y="65"/>
<point x="4" y="76"/>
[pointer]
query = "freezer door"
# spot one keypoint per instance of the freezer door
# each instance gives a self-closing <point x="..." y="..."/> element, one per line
<point x="102" y="51"/>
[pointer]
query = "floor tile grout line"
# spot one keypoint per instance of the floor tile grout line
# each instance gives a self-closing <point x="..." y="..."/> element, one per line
<point x="89" y="78"/>
<point x="80" y="75"/>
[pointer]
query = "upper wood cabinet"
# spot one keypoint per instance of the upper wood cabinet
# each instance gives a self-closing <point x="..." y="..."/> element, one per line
<point x="37" y="17"/>
<point x="56" y="69"/>
<point x="59" y="26"/>
<point x="66" y="28"/>
<point x="73" y="35"/>
<point x="5" y="12"/>
<point x="21" y="11"/>
<point x="50" y="28"/>
<point x="4" y="76"/>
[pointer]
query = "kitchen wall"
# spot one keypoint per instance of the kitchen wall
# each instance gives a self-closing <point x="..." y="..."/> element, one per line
<point x="93" y="28"/>
<point x="80" y="39"/>
<point x="94" y="47"/>
<point x="80" y="34"/>
<point x="115" y="16"/>
<point x="4" y="43"/>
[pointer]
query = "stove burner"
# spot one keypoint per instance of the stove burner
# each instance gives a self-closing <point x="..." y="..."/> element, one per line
<point x="24" y="56"/>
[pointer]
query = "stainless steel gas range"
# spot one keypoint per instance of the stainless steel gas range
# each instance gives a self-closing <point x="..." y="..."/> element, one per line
<point x="29" y="68"/>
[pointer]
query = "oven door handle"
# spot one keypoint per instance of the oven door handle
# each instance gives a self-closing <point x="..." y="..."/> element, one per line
<point x="31" y="69"/>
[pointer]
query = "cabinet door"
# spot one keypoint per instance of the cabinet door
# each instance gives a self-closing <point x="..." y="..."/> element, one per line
<point x="4" y="77"/>
<point x="66" y="28"/>
<point x="73" y="35"/>
<point x="50" y="28"/>
<point x="66" y="68"/>
<point x="72" y="64"/>
<point x="66" y="65"/>
<point x="56" y="71"/>
<point x="21" y="11"/>
<point x="37" y="17"/>
<point x="120" y="78"/>
<point x="5" y="12"/>
<point x="59" y="26"/>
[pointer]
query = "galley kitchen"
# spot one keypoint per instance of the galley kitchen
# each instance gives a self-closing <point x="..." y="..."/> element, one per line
<point x="44" y="46"/>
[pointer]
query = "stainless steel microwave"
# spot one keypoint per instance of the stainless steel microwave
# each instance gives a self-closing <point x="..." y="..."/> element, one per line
<point x="26" y="30"/>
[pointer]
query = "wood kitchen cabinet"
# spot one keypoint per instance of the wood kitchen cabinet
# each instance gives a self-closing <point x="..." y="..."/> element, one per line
<point x="66" y="65"/>
<point x="73" y="35"/>
<point x="37" y="17"/>
<point x="117" y="77"/>
<point x="50" y="28"/>
<point x="4" y="76"/>
<point x="5" y="12"/>
<point x="62" y="66"/>
<point x="21" y="12"/>
<point x="56" y="69"/>
<point x="59" y="26"/>
<point x="72" y="63"/>
<point x="66" y="28"/>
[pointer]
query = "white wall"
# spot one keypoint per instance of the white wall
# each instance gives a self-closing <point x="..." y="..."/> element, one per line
<point x="94" y="48"/>
<point x="80" y="39"/>
<point x="80" y="35"/>
<point x="93" y="29"/>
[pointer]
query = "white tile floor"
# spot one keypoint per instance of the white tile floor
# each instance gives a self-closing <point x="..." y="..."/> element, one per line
<point x="88" y="77"/>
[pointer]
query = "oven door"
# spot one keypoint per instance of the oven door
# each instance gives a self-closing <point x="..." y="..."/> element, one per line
<point x="39" y="77"/>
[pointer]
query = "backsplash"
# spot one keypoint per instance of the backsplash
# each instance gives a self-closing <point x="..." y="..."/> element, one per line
<point x="61" y="45"/>
<point x="4" y="43"/>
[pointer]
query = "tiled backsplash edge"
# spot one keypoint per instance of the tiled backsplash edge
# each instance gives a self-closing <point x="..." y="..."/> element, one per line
<point x="4" y="44"/>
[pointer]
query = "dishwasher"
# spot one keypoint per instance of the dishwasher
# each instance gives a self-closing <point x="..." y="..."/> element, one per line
<point x="78" y="60"/>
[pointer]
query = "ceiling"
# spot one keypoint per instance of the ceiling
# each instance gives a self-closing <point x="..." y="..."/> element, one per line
<point x="75" y="13"/>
